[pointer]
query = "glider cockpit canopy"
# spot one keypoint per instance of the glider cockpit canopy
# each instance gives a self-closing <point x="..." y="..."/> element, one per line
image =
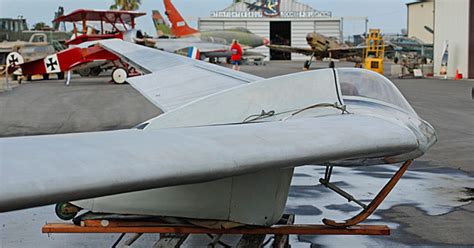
<point x="357" y="84"/>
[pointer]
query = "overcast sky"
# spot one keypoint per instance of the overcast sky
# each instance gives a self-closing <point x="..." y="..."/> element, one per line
<point x="389" y="15"/>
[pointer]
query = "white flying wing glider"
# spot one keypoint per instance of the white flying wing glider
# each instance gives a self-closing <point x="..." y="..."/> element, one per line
<point x="224" y="149"/>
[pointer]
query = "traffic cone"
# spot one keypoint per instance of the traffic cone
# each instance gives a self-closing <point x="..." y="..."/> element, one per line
<point x="458" y="75"/>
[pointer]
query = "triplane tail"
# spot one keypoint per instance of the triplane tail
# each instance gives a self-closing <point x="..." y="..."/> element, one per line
<point x="161" y="26"/>
<point x="179" y="27"/>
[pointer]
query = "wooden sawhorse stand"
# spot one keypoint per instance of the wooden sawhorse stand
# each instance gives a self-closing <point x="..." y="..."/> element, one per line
<point x="174" y="235"/>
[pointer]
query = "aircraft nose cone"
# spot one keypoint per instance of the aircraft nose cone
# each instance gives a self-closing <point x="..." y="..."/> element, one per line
<point x="310" y="37"/>
<point x="266" y="41"/>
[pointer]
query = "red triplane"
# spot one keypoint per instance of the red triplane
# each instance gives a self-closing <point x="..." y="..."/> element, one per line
<point x="83" y="56"/>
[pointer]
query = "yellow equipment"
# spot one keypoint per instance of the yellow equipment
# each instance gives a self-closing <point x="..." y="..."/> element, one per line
<point x="375" y="52"/>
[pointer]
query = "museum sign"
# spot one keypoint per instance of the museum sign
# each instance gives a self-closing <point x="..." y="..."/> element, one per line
<point x="268" y="8"/>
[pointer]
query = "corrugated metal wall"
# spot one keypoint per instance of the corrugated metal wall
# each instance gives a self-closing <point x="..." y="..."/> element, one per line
<point x="262" y="29"/>
<point x="214" y="25"/>
<point x="229" y="25"/>
<point x="329" y="28"/>
<point x="299" y="28"/>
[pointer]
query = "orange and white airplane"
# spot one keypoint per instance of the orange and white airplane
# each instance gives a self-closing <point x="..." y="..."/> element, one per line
<point x="211" y="44"/>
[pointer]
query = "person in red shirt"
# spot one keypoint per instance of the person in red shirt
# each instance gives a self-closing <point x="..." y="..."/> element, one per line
<point x="236" y="57"/>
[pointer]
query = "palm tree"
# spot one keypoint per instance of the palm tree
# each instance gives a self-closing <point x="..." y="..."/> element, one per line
<point x="126" y="4"/>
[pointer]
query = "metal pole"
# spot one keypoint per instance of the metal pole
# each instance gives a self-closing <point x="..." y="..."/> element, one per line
<point x="68" y="78"/>
<point x="341" y="29"/>
<point x="366" y="25"/>
<point x="7" y="85"/>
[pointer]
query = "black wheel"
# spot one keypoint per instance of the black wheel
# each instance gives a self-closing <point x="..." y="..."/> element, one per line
<point x="66" y="211"/>
<point x="84" y="72"/>
<point x="45" y="76"/>
<point x="14" y="77"/>
<point x="61" y="75"/>
<point x="332" y="64"/>
<point x="307" y="64"/>
<point x="29" y="78"/>
<point x="95" y="71"/>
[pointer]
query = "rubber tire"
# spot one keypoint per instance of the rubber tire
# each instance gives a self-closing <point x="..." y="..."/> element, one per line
<point x="118" y="75"/>
<point x="29" y="78"/>
<point x="86" y="72"/>
<point x="60" y="76"/>
<point x="46" y="76"/>
<point x="15" y="77"/>
<point x="307" y="65"/>
<point x="95" y="71"/>
<point x="63" y="216"/>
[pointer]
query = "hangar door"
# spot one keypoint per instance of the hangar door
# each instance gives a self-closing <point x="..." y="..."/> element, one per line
<point x="280" y="34"/>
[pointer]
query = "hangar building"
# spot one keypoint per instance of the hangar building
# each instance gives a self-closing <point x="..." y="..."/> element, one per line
<point x="421" y="20"/>
<point x="454" y="22"/>
<point x="284" y="22"/>
<point x="451" y="21"/>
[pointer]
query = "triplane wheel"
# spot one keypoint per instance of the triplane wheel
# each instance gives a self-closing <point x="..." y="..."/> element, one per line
<point x="66" y="211"/>
<point x="60" y="76"/>
<point x="119" y="75"/>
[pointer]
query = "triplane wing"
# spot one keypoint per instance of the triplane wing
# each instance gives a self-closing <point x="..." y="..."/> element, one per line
<point x="110" y="16"/>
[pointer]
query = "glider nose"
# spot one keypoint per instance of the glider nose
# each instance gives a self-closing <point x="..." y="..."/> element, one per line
<point x="430" y="133"/>
<point x="425" y="134"/>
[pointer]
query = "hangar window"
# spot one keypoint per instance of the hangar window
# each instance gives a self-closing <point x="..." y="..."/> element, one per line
<point x="357" y="83"/>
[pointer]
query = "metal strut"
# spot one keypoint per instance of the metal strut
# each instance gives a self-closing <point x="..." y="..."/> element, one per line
<point x="325" y="181"/>
<point x="368" y="210"/>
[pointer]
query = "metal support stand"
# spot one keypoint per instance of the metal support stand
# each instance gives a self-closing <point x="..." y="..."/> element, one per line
<point x="362" y="216"/>
<point x="325" y="181"/>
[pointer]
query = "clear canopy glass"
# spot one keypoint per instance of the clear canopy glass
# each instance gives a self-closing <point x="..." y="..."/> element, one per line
<point x="359" y="83"/>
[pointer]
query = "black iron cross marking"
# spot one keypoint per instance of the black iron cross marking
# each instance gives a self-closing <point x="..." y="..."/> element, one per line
<point x="13" y="60"/>
<point x="51" y="63"/>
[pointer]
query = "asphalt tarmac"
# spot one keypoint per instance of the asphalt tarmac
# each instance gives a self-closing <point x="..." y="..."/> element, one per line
<point x="432" y="205"/>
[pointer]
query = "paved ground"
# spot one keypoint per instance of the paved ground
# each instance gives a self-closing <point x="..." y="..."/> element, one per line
<point x="44" y="107"/>
<point x="7" y="86"/>
<point x="94" y="104"/>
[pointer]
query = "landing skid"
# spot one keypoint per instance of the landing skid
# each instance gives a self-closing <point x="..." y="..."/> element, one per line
<point x="367" y="210"/>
